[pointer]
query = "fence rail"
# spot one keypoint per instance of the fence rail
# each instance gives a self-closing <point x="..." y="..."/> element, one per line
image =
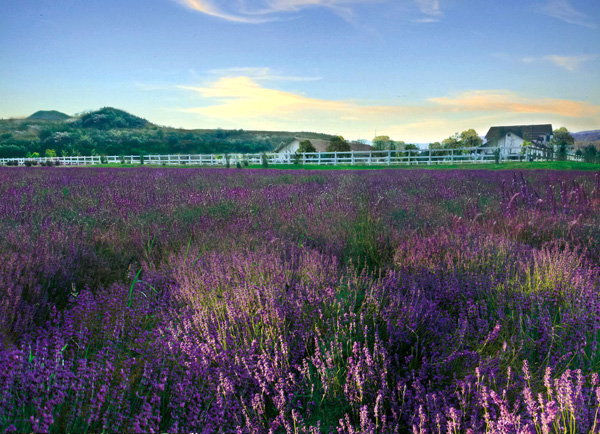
<point x="379" y="158"/>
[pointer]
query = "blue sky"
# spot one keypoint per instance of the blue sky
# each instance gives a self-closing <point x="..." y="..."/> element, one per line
<point x="416" y="70"/>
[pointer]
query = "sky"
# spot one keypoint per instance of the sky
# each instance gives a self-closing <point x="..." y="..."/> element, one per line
<point x="415" y="70"/>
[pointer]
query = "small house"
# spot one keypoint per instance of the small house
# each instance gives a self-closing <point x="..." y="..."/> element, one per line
<point x="510" y="138"/>
<point x="319" y="144"/>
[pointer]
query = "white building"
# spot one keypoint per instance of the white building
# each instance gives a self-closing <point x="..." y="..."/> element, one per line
<point x="511" y="138"/>
<point x="319" y="144"/>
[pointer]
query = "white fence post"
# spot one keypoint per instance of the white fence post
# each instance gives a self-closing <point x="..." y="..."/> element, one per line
<point x="463" y="155"/>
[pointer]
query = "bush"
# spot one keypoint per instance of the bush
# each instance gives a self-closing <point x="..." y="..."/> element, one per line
<point x="28" y="163"/>
<point x="238" y="165"/>
<point x="265" y="161"/>
<point x="497" y="156"/>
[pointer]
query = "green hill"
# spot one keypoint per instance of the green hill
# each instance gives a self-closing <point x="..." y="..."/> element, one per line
<point x="48" y="115"/>
<point x="108" y="118"/>
<point x="110" y="131"/>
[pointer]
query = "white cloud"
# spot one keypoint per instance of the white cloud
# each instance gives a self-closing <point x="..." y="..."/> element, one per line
<point x="570" y="63"/>
<point x="244" y="102"/>
<point x="268" y="10"/>
<point x="259" y="73"/>
<point x="511" y="102"/>
<point x="262" y="11"/>
<point x="563" y="10"/>
<point x="430" y="8"/>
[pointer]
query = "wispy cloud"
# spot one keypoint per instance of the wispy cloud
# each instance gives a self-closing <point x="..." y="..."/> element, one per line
<point x="511" y="102"/>
<point x="244" y="98"/>
<point x="431" y="10"/>
<point x="262" y="11"/>
<point x="244" y="102"/>
<point x="269" y="10"/>
<point x="563" y="10"/>
<point x="570" y="63"/>
<point x="259" y="73"/>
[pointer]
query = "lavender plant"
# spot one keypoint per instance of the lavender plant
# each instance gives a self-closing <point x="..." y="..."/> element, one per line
<point x="260" y="301"/>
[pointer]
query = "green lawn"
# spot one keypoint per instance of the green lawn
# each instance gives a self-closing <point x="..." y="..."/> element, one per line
<point x="516" y="165"/>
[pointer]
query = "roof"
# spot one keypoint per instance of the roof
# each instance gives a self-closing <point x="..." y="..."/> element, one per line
<point x="526" y="132"/>
<point x="321" y="145"/>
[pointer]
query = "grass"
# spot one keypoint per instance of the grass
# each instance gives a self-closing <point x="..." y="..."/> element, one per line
<point x="509" y="165"/>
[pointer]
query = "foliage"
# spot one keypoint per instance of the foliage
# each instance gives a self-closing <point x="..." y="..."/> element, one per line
<point x="306" y="146"/>
<point x="381" y="143"/>
<point x="109" y="118"/>
<point x="497" y="155"/>
<point x="562" y="141"/>
<point x="50" y="153"/>
<point x="110" y="131"/>
<point x="590" y="154"/>
<point x="338" y="144"/>
<point x="466" y="139"/>
<point x="452" y="142"/>
<point x="470" y="139"/>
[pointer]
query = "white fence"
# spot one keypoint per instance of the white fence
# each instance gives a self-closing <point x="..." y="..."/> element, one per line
<point x="379" y="158"/>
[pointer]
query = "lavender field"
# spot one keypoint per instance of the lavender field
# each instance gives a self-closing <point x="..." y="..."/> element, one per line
<point x="265" y="301"/>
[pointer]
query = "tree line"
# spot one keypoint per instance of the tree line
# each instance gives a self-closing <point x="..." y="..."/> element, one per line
<point x="110" y="131"/>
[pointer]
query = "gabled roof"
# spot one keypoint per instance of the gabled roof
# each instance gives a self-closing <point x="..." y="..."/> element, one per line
<point x="526" y="132"/>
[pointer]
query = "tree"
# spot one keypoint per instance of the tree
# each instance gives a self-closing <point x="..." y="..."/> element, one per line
<point x="452" y="142"/>
<point x="383" y="143"/>
<point x="524" y="146"/>
<point x="50" y="153"/>
<point x="561" y="142"/>
<point x="435" y="148"/>
<point x="306" y="146"/>
<point x="590" y="154"/>
<point x="338" y="144"/>
<point x="470" y="139"/>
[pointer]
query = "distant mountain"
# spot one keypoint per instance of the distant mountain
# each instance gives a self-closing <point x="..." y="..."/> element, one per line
<point x="587" y="136"/>
<point x="48" y="115"/>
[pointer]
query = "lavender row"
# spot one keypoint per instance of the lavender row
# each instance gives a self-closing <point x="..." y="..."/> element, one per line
<point x="263" y="301"/>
